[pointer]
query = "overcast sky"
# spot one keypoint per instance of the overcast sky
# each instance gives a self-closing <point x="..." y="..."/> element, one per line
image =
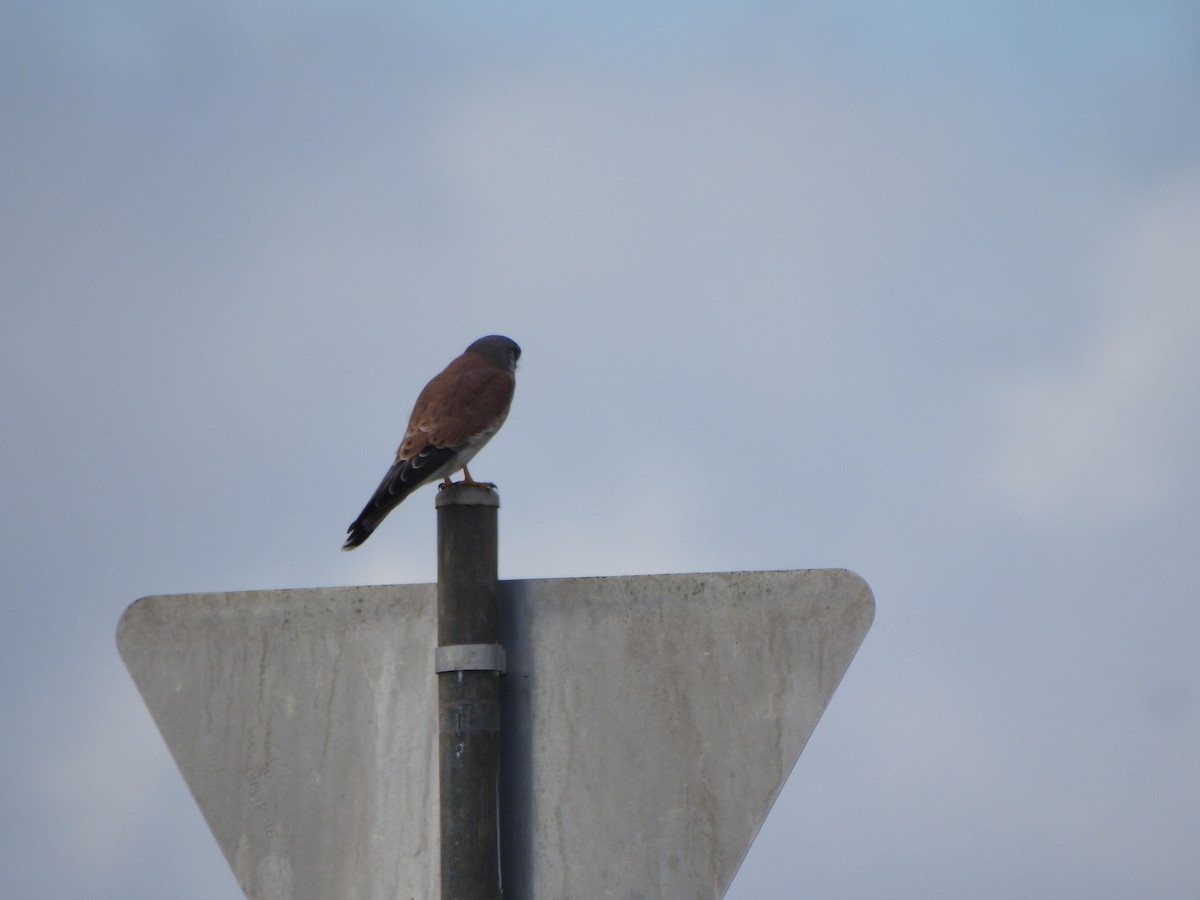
<point x="913" y="291"/>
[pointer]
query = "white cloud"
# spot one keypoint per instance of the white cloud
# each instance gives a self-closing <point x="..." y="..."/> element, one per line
<point x="1111" y="433"/>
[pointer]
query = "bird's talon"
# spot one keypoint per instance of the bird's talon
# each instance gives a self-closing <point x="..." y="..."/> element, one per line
<point x="466" y="483"/>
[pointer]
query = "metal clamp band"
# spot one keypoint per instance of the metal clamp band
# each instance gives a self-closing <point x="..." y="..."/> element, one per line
<point x="469" y="658"/>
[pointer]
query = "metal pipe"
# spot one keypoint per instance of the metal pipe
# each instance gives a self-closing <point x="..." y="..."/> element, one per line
<point x="469" y="692"/>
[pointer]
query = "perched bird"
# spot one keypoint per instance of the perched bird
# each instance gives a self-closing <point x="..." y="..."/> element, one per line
<point x="454" y="416"/>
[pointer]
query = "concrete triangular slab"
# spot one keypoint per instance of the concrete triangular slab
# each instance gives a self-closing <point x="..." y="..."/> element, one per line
<point x="652" y="721"/>
<point x="649" y="723"/>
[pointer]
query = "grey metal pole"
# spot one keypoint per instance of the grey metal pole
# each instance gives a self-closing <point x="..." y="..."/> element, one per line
<point x="469" y="662"/>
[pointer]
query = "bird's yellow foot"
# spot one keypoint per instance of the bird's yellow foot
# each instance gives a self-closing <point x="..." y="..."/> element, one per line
<point x="467" y="481"/>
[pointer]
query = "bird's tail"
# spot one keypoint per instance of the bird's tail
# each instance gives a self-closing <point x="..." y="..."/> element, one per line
<point x="362" y="527"/>
<point x="404" y="477"/>
<point x="387" y="497"/>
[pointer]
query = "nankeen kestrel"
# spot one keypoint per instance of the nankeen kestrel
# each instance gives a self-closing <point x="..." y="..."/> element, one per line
<point x="454" y="416"/>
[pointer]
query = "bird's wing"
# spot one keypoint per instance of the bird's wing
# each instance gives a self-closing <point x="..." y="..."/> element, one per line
<point x="461" y="403"/>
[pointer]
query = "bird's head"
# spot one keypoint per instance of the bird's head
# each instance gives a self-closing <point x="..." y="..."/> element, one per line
<point x="499" y="349"/>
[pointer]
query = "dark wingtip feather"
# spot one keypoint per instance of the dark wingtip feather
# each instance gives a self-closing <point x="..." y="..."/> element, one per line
<point x="401" y="479"/>
<point x="357" y="534"/>
<point x="368" y="520"/>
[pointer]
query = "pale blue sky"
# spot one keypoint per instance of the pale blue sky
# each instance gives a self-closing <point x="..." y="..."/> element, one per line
<point x="910" y="289"/>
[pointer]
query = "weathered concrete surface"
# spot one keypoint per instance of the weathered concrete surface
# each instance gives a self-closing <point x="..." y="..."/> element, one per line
<point x="305" y="724"/>
<point x="652" y="721"/>
<point x="649" y="722"/>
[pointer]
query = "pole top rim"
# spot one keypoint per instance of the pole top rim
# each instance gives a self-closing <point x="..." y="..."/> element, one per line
<point x="462" y="494"/>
